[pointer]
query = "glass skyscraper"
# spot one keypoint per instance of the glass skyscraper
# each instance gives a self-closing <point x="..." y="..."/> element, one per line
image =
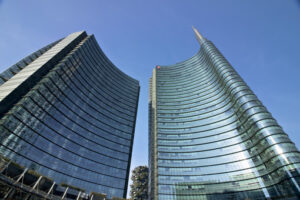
<point x="211" y="138"/>
<point x="67" y="113"/>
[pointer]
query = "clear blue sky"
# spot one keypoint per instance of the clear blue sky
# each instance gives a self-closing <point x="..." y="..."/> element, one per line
<point x="260" y="39"/>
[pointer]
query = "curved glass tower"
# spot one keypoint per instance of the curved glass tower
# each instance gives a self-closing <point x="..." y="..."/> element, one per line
<point x="69" y="114"/>
<point x="211" y="138"/>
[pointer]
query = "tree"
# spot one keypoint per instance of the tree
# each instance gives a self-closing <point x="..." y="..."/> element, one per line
<point x="139" y="186"/>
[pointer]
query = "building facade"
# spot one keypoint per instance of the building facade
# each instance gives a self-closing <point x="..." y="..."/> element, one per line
<point x="67" y="113"/>
<point x="211" y="138"/>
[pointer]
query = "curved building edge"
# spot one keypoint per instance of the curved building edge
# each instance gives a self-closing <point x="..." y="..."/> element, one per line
<point x="77" y="114"/>
<point x="267" y="141"/>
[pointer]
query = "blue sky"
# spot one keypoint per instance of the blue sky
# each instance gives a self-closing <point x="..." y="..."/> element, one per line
<point x="260" y="39"/>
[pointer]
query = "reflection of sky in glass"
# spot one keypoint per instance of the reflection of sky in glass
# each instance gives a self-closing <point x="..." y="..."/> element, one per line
<point x="75" y="125"/>
<point x="246" y="115"/>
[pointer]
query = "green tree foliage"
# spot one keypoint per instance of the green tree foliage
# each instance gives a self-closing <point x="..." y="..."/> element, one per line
<point x="139" y="186"/>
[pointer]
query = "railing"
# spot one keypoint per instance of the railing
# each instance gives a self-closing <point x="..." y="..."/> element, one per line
<point x="19" y="183"/>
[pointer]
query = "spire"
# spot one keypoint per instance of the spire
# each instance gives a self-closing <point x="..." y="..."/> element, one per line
<point x="199" y="37"/>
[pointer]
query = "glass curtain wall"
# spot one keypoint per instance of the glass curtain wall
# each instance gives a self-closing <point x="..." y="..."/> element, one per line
<point x="76" y="125"/>
<point x="211" y="138"/>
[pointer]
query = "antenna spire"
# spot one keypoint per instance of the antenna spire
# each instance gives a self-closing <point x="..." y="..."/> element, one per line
<point x="199" y="37"/>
